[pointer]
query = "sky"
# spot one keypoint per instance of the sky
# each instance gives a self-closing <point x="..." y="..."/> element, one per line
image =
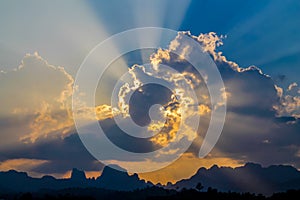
<point x="43" y="44"/>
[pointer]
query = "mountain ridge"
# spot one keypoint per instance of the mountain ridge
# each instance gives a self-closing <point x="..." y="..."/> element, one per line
<point x="13" y="180"/>
<point x="250" y="177"/>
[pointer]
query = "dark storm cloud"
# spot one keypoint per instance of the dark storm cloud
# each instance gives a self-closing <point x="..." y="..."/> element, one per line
<point x="62" y="154"/>
<point x="254" y="129"/>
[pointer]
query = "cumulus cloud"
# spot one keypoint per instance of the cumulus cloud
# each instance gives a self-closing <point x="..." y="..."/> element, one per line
<point x="37" y="128"/>
<point x="291" y="86"/>
<point x="289" y="101"/>
<point x="260" y="115"/>
<point x="104" y="112"/>
<point x="38" y="96"/>
<point x="38" y="91"/>
<point x="169" y="131"/>
<point x="181" y="106"/>
<point x="259" y="112"/>
<point x="289" y="105"/>
<point x="256" y="105"/>
<point x="262" y="118"/>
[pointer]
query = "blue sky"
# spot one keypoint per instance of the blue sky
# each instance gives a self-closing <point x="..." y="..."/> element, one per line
<point x="262" y="33"/>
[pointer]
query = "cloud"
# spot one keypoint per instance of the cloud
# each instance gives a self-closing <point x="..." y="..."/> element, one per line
<point x="257" y="109"/>
<point x="38" y="96"/>
<point x="261" y="125"/>
<point x="179" y="110"/>
<point x="21" y="164"/>
<point x="289" y="101"/>
<point x="158" y="57"/>
<point x="53" y="156"/>
<point x="104" y="112"/>
<point x="168" y="133"/>
<point x="289" y="106"/>
<point x="41" y="92"/>
<point x="204" y="109"/>
<point x="291" y="86"/>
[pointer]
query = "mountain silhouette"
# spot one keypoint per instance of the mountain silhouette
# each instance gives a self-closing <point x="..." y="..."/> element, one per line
<point x="120" y="180"/>
<point x="78" y="175"/>
<point x="249" y="178"/>
<point x="110" y="179"/>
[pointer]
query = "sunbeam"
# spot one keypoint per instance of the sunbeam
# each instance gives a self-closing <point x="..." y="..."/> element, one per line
<point x="63" y="37"/>
<point x="262" y="23"/>
<point x="160" y="97"/>
<point x="157" y="14"/>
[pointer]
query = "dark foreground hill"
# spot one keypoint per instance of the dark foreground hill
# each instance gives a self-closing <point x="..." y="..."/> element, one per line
<point x="110" y="179"/>
<point x="249" y="178"/>
<point x="149" y="193"/>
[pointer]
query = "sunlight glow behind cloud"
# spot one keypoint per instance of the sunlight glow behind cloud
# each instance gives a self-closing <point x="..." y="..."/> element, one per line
<point x="64" y="32"/>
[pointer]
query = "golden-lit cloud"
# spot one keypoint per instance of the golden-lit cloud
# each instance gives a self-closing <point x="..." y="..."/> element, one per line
<point x="289" y="101"/>
<point x="292" y="86"/>
<point x="158" y="57"/>
<point x="43" y="104"/>
<point x="40" y="93"/>
<point x="204" y="109"/>
<point x="104" y="112"/>
<point x="164" y="132"/>
<point x="289" y="106"/>
<point x="48" y="121"/>
<point x="210" y="42"/>
<point x="171" y="113"/>
<point x="279" y="91"/>
<point x="183" y="80"/>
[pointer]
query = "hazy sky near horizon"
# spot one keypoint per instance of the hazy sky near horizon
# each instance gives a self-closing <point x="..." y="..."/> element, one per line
<point x="42" y="45"/>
